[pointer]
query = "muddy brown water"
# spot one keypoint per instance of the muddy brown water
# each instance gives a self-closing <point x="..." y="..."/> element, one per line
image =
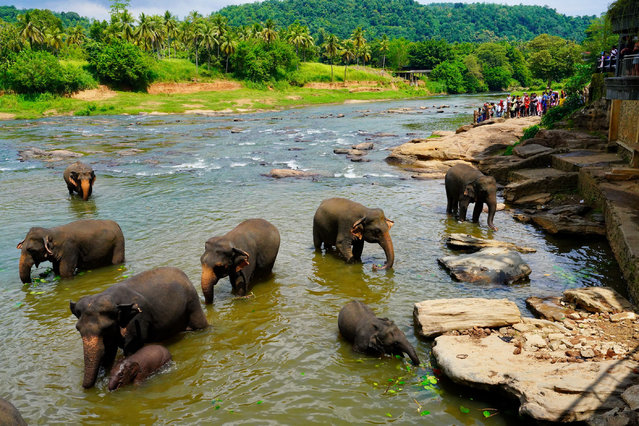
<point x="276" y="358"/>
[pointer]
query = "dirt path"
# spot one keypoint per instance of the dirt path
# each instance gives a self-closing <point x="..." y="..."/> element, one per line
<point x="192" y="87"/>
<point x="99" y="94"/>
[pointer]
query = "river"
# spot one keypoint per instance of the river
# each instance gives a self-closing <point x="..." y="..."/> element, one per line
<point x="172" y="182"/>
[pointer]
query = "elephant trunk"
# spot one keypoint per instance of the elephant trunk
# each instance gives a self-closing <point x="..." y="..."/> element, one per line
<point x="85" y="184"/>
<point x="26" y="262"/>
<point x="492" y="208"/>
<point x="93" y="353"/>
<point x="410" y="350"/>
<point x="209" y="279"/>
<point x="387" y="244"/>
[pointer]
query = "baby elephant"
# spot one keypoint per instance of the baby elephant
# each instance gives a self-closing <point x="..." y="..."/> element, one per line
<point x="137" y="367"/>
<point x="371" y="335"/>
<point x="79" y="178"/>
<point x="465" y="184"/>
<point x="246" y="252"/>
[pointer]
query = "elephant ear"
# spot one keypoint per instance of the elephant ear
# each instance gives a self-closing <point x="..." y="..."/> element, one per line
<point x="390" y="223"/>
<point x="19" y="246"/>
<point x="469" y="191"/>
<point x="240" y="259"/>
<point x="357" y="230"/>
<point x="73" y="176"/>
<point x="93" y="178"/>
<point x="72" y="307"/>
<point x="126" y="312"/>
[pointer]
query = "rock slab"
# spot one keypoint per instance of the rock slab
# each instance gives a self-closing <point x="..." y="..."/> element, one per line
<point x="459" y="241"/>
<point x="598" y="299"/>
<point x="434" y="317"/>
<point x="491" y="265"/>
<point x="556" y="392"/>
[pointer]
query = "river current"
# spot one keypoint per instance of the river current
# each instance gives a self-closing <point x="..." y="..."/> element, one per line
<point x="172" y="182"/>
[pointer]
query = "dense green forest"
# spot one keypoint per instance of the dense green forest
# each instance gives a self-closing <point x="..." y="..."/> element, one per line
<point x="456" y="22"/>
<point x="67" y="19"/>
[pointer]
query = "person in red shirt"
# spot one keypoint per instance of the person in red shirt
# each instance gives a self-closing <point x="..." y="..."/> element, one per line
<point x="526" y="105"/>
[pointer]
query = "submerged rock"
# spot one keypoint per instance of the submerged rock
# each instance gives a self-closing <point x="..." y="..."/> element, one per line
<point x="492" y="265"/>
<point x="41" y="154"/>
<point x="289" y="173"/>
<point x="364" y="146"/>
<point x="435" y="317"/>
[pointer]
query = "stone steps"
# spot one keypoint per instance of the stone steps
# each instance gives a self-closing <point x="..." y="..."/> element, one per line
<point x="573" y="161"/>
<point x="533" y="181"/>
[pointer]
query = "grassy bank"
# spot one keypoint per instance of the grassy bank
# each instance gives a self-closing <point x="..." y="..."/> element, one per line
<point x="250" y="97"/>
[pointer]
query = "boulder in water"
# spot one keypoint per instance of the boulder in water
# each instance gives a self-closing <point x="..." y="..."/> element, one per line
<point x="490" y="265"/>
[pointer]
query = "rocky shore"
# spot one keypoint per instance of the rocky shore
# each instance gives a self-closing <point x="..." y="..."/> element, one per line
<point x="578" y="361"/>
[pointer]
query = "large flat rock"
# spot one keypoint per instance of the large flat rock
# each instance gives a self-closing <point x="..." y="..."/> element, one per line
<point x="492" y="265"/>
<point x="459" y="241"/>
<point x="434" y="317"/>
<point x="547" y="390"/>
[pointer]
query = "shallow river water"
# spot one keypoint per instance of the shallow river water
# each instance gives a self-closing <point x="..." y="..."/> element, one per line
<point x="172" y="182"/>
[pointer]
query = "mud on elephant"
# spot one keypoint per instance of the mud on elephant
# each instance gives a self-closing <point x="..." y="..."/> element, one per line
<point x="148" y="307"/>
<point x="137" y="367"/>
<point x="243" y="254"/>
<point x="465" y="184"/>
<point x="346" y="225"/>
<point x="371" y="335"/>
<point x="83" y="244"/>
<point x="79" y="178"/>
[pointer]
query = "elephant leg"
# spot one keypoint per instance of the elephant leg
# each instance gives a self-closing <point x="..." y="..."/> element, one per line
<point x="110" y="351"/>
<point x="317" y="242"/>
<point x="56" y="267"/>
<point x="118" y="253"/>
<point x="451" y="205"/>
<point x="358" y="247"/>
<point x="71" y="189"/>
<point x="479" y="206"/>
<point x="344" y="248"/>
<point x="197" y="319"/>
<point x="67" y="267"/>
<point x="463" y="208"/>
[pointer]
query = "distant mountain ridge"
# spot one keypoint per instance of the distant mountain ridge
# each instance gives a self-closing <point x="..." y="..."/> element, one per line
<point x="455" y="22"/>
<point x="69" y="19"/>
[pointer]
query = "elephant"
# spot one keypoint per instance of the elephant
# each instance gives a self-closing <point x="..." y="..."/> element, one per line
<point x="246" y="252"/>
<point x="148" y="307"/>
<point x="344" y="223"/>
<point x="80" y="178"/>
<point x="9" y="414"/>
<point x="465" y="184"/>
<point x="371" y="335"/>
<point x="83" y="244"/>
<point x="137" y="367"/>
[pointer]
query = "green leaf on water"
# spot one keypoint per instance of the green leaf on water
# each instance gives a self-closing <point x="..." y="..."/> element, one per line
<point x="390" y="380"/>
<point x="259" y="402"/>
<point x="125" y="276"/>
<point x="217" y="407"/>
<point x="424" y="413"/>
<point x="486" y="413"/>
<point x="432" y="379"/>
<point x="302" y="373"/>
<point x="18" y="304"/>
<point x="391" y="391"/>
<point x="389" y="415"/>
<point x="464" y="409"/>
<point x="375" y="384"/>
<point x="401" y="383"/>
<point x="81" y="273"/>
<point x="398" y="356"/>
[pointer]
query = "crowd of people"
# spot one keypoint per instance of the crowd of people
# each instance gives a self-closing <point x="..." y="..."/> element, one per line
<point x="519" y="106"/>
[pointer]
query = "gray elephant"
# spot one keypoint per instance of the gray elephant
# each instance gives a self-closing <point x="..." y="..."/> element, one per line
<point x="245" y="253"/>
<point x="9" y="415"/>
<point x="148" y="307"/>
<point x="137" y="367"/>
<point x="465" y="184"/>
<point x="346" y="224"/>
<point x="371" y="335"/>
<point x="83" y="244"/>
<point x="79" y="178"/>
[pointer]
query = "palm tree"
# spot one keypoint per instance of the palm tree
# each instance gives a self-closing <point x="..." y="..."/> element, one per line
<point x="76" y="36"/>
<point x="307" y="41"/>
<point x="145" y="33"/>
<point x="359" y="41"/>
<point x="331" y="47"/>
<point x="220" y="28"/>
<point x="256" y="30"/>
<point x="209" y="39"/>
<point x="127" y="31"/>
<point x="244" y="33"/>
<point x="383" y="49"/>
<point x="157" y="24"/>
<point x="29" y="31"/>
<point x="296" y="37"/>
<point x="227" y="44"/>
<point x="170" y="27"/>
<point x="366" y="53"/>
<point x="269" y="33"/>
<point x="347" y="53"/>
<point x="54" y="39"/>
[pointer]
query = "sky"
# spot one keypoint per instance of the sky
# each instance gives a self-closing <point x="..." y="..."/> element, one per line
<point x="99" y="9"/>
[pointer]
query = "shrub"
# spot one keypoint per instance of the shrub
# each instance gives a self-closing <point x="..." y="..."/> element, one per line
<point x="450" y="73"/>
<point x="121" y="64"/>
<point x="40" y="72"/>
<point x="530" y="132"/>
<point x="497" y="78"/>
<point x="263" y="61"/>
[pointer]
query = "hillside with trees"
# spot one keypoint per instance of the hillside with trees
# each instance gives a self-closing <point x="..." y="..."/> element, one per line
<point x="67" y="19"/>
<point x="408" y="19"/>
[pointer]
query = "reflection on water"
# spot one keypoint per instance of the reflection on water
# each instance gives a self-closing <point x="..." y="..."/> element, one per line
<point x="172" y="183"/>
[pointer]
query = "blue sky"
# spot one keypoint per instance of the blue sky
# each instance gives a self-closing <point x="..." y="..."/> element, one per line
<point x="100" y="8"/>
